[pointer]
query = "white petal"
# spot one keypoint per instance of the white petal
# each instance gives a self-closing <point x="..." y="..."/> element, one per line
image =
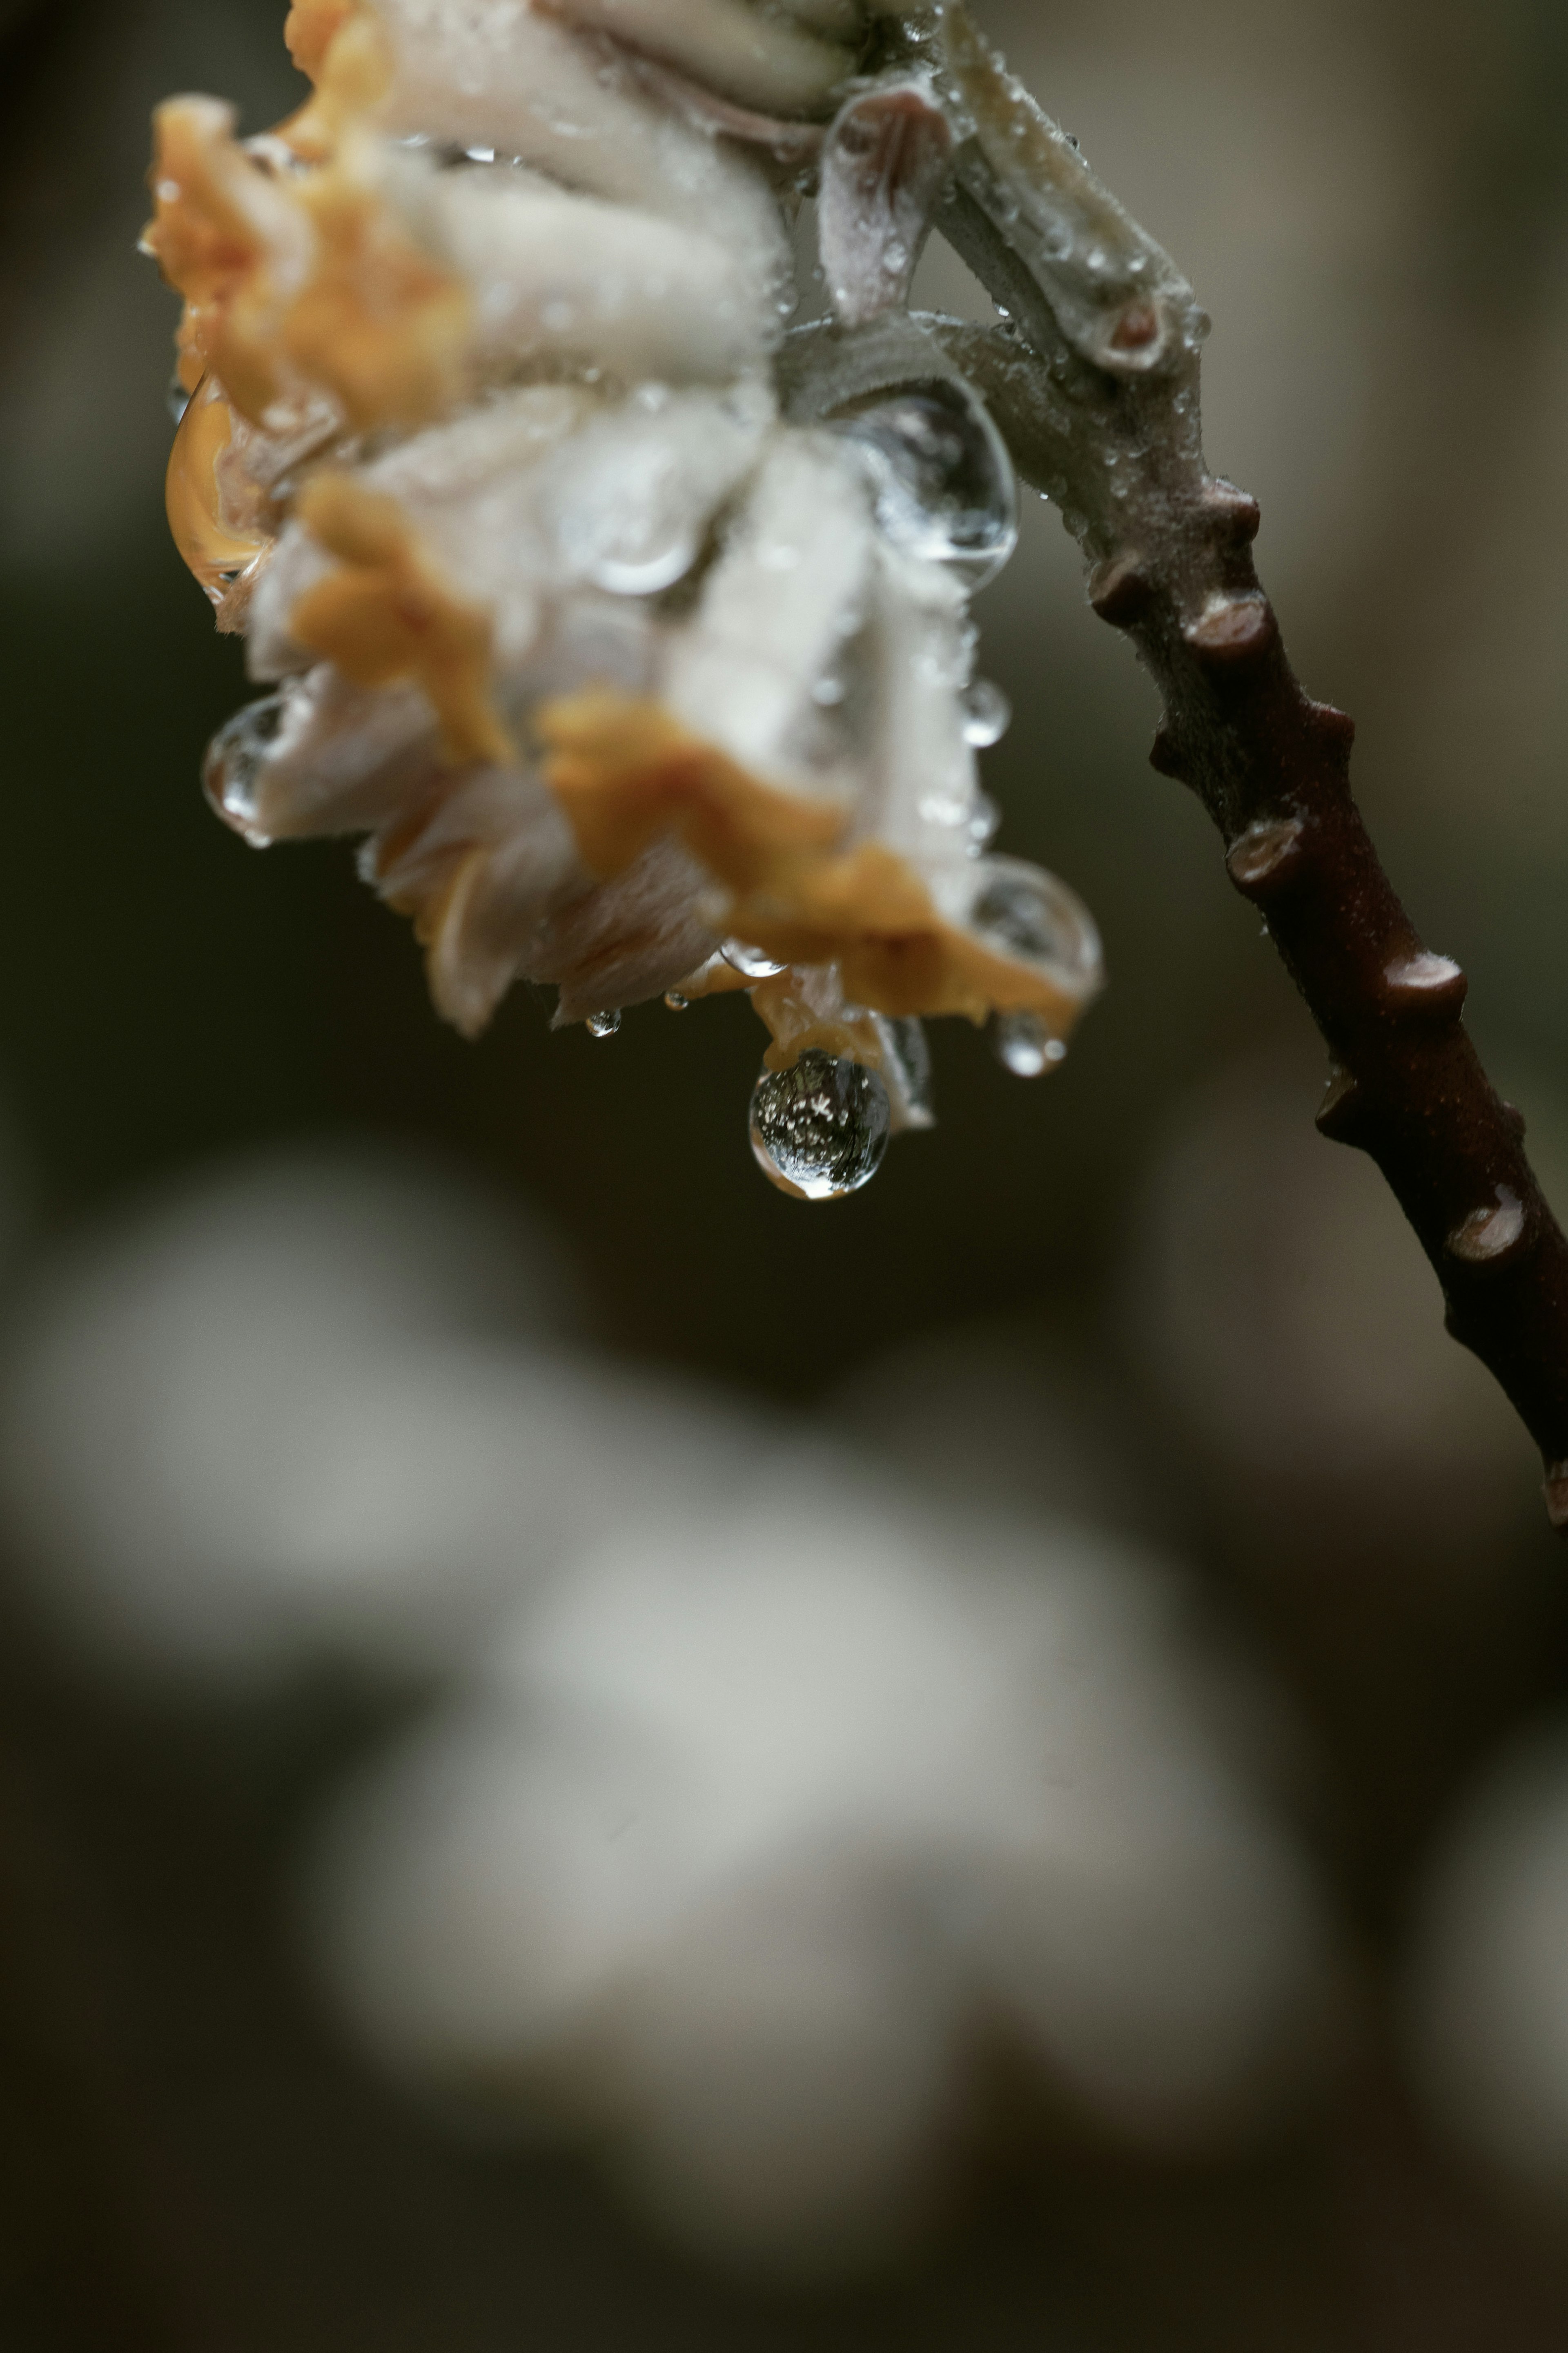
<point x="493" y="74"/>
<point x="736" y="48"/>
<point x="778" y="605"/>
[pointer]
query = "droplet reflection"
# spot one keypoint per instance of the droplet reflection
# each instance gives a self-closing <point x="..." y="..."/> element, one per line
<point x="944" y="482"/>
<point x="820" y="1128"/>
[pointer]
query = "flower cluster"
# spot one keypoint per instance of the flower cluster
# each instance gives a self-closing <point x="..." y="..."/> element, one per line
<point x="637" y="647"/>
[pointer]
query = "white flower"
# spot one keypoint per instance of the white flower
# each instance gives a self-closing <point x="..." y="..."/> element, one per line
<point x="1489" y="1984"/>
<point x="617" y="639"/>
<point x="765" y="1821"/>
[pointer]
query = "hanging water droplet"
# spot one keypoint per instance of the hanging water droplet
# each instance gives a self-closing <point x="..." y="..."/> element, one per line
<point x="676" y="1002"/>
<point x="820" y="1128"/>
<point x="1022" y="911"/>
<point x="944" y="484"/>
<point x="1022" y="1044"/>
<point x="231" y="771"/>
<point x="604" y="1025"/>
<point x="750" y="961"/>
<point x="906" y="1073"/>
<point x="988" y="714"/>
<point x="178" y="398"/>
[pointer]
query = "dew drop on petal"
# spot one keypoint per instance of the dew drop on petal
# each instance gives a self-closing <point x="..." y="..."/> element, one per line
<point x="178" y="398"/>
<point x="750" y="961"/>
<point x="944" y="484"/>
<point x="988" y="714"/>
<point x="604" y="1025"/>
<point x="676" y="1002"/>
<point x="1022" y="1044"/>
<point x="820" y="1128"/>
<point x="232" y="768"/>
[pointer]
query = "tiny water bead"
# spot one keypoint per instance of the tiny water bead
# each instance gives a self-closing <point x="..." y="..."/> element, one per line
<point x="1022" y="1044"/>
<point x="820" y="1128"/>
<point x="944" y="484"/>
<point x="232" y="768"/>
<point x="988" y="714"/>
<point x="604" y="1025"/>
<point x="676" y="1002"/>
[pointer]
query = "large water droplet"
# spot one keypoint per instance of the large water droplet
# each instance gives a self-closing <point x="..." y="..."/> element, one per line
<point x="944" y="484"/>
<point x="750" y="961"/>
<point x="604" y="1025"/>
<point x="1022" y="1044"/>
<point x="1022" y="911"/>
<point x="820" y="1128"/>
<point x="232" y="768"/>
<point x="988" y="714"/>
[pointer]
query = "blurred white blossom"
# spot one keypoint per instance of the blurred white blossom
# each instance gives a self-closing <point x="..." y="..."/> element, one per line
<point x="761" y="1824"/>
<point x="325" y="1404"/>
<point x="1489" y="1987"/>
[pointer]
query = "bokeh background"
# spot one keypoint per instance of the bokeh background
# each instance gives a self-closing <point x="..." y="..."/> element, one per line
<point x="1141" y="1293"/>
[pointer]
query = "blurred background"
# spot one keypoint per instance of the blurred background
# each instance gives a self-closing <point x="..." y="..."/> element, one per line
<point x="591" y="1756"/>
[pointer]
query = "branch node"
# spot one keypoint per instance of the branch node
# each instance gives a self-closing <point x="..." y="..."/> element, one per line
<point x="1334" y="726"/>
<point x="1341" y="1114"/>
<point x="1493" y="1234"/>
<point x="1265" y="856"/>
<point x="1136" y="329"/>
<point x="1233" y="509"/>
<point x="1556" y="1492"/>
<point x="1232" y="629"/>
<point x="1426" y="984"/>
<point x="1121" y="591"/>
<point x="1165" y="755"/>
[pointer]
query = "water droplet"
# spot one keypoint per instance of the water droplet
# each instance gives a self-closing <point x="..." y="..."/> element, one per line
<point x="604" y="1025"/>
<point x="820" y="1128"/>
<point x="984" y="818"/>
<point x="676" y="1002"/>
<point x="750" y="961"/>
<point x="1022" y="911"/>
<point x="1022" y="1044"/>
<point x="906" y="1070"/>
<point x="178" y="398"/>
<point x="944" y="484"/>
<point x="988" y="714"/>
<point x="231" y="771"/>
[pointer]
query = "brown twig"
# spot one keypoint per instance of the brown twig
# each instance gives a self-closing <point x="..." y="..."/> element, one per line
<point x="1094" y="383"/>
